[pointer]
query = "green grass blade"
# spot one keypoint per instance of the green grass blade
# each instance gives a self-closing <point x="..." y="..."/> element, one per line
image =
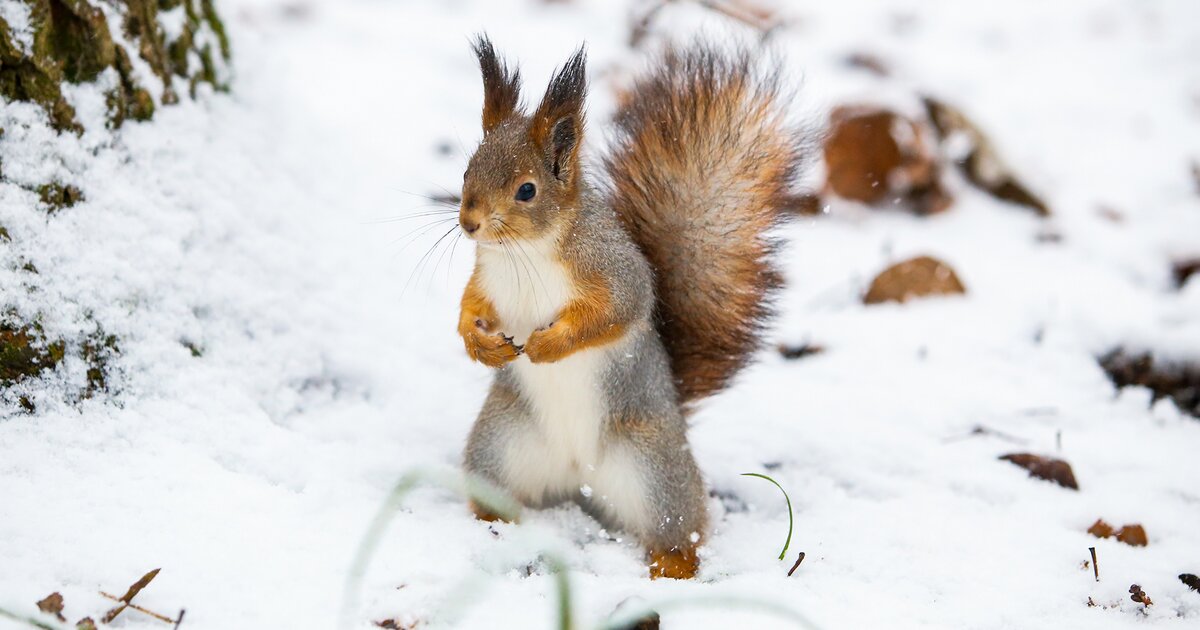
<point x="787" y="543"/>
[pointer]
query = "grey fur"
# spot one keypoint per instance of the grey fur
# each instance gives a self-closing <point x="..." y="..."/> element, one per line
<point x="637" y="389"/>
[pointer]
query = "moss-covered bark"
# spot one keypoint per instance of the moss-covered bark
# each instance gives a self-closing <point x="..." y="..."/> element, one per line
<point x="72" y="42"/>
<point x="25" y="353"/>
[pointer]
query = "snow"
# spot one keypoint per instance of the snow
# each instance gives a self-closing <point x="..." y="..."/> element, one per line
<point x="265" y="228"/>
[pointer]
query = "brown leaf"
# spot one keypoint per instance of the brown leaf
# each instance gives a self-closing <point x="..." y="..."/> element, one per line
<point x="792" y="353"/>
<point x="53" y="604"/>
<point x="878" y="157"/>
<point x="1184" y="269"/>
<point x="1100" y="529"/>
<point x="1133" y="535"/>
<point x="916" y="277"/>
<point x="981" y="164"/>
<point x="1179" y="381"/>
<point x="1190" y="580"/>
<point x="1139" y="596"/>
<point x="1047" y="468"/>
<point x="85" y="624"/>
<point x="130" y="593"/>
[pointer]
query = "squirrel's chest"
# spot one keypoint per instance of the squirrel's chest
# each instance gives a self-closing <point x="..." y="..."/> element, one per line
<point x="527" y="284"/>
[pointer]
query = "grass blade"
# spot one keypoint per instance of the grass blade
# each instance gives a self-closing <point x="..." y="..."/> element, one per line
<point x="791" y="522"/>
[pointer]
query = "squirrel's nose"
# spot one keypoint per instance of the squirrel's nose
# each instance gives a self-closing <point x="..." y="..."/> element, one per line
<point x="469" y="225"/>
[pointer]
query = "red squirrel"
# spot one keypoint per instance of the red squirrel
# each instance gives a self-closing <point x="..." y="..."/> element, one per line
<point x="607" y="309"/>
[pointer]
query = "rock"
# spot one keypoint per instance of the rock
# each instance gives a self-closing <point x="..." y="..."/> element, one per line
<point x="878" y="157"/>
<point x="912" y="278"/>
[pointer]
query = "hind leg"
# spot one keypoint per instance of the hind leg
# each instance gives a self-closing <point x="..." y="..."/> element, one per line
<point x="647" y="484"/>
<point x="506" y="449"/>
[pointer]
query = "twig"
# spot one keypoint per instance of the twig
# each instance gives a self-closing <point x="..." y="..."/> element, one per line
<point x="1095" y="563"/>
<point x="157" y="616"/>
<point x="797" y="565"/>
<point x="132" y="592"/>
<point x="179" y="619"/>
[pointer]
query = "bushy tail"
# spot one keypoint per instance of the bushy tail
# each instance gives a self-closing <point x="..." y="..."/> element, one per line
<point x="700" y="171"/>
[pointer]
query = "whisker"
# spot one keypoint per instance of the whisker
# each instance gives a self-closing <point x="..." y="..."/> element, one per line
<point x="423" y="260"/>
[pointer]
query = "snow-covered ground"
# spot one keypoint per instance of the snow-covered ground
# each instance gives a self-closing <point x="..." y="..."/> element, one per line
<point x="264" y="228"/>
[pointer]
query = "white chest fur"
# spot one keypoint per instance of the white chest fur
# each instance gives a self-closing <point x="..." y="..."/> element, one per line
<point x="529" y="286"/>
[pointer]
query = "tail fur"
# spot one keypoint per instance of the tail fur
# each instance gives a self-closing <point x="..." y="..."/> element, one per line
<point x="700" y="172"/>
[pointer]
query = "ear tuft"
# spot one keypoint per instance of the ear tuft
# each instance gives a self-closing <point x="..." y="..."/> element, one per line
<point x="501" y="86"/>
<point x="557" y="125"/>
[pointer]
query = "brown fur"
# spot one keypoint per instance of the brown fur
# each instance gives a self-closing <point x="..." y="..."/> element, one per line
<point x="501" y="86"/>
<point x="476" y="323"/>
<point x="586" y="322"/>
<point x="542" y="149"/>
<point x="700" y="174"/>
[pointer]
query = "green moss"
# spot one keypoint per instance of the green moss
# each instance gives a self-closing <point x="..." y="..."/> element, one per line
<point x="97" y="351"/>
<point x="72" y="43"/>
<point x="23" y="79"/>
<point x="196" y="351"/>
<point x="57" y="196"/>
<point x="218" y="27"/>
<point x="24" y="353"/>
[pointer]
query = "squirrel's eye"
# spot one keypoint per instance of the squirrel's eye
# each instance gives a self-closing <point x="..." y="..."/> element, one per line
<point x="526" y="192"/>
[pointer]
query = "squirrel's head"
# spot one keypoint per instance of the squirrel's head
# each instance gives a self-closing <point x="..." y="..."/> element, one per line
<point x="526" y="174"/>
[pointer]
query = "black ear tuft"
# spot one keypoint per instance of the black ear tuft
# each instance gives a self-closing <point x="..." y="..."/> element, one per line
<point x="557" y="125"/>
<point x="501" y="86"/>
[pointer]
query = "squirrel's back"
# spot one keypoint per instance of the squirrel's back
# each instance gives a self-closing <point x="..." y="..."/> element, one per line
<point x="700" y="172"/>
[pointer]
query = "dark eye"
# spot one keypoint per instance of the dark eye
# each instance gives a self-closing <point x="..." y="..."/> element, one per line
<point x="526" y="192"/>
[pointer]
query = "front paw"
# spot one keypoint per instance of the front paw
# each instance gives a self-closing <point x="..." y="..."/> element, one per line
<point x="547" y="345"/>
<point x="490" y="349"/>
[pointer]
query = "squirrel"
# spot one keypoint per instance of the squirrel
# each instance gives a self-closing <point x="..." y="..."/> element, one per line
<point x="609" y="308"/>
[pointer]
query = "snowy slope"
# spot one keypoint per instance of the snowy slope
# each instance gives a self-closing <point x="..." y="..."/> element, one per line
<point x="272" y="229"/>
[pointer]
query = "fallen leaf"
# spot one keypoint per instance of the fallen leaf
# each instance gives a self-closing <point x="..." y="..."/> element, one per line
<point x="978" y="159"/>
<point x="53" y="604"/>
<point x="1175" y="380"/>
<point x="1047" y="468"/>
<point x="130" y="593"/>
<point x="1100" y="529"/>
<point x="1133" y="535"/>
<point x="792" y="353"/>
<point x="1184" y="269"/>
<point x="1190" y="580"/>
<point x="878" y="157"/>
<point x="85" y="624"/>
<point x="912" y="278"/>
<point x="1139" y="596"/>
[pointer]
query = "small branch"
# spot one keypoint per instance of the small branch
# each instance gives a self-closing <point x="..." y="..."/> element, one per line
<point x="1095" y="563"/>
<point x="797" y="565"/>
<point x="157" y="616"/>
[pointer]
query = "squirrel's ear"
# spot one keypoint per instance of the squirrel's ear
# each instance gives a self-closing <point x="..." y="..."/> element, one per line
<point x="557" y="125"/>
<point x="501" y="86"/>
